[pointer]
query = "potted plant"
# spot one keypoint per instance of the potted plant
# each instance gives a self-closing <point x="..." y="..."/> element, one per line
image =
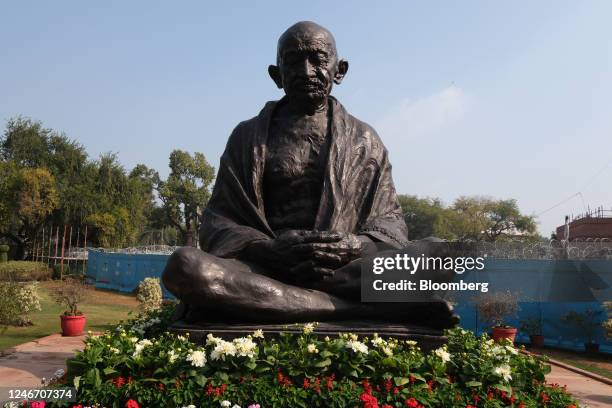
<point x="69" y="292"/>
<point x="587" y="322"/>
<point x="533" y="327"/>
<point x="493" y="308"/>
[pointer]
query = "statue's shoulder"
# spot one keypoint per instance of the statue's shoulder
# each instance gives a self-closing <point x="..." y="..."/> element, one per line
<point x="365" y="135"/>
<point x="246" y="131"/>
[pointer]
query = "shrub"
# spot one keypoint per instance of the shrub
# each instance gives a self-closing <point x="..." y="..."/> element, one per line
<point x="149" y="294"/>
<point x="493" y="308"/>
<point x="149" y="368"/>
<point x="23" y="271"/>
<point x="587" y="322"/>
<point x="607" y="324"/>
<point x="69" y="293"/>
<point x="17" y="301"/>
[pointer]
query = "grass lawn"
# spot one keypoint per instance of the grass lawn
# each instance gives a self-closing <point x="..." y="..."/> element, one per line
<point x="102" y="308"/>
<point x="599" y="364"/>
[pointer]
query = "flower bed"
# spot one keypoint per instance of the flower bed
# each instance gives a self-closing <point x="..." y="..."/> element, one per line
<point x="139" y="365"/>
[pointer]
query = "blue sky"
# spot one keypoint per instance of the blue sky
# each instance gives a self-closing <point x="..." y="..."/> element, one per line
<point x="506" y="99"/>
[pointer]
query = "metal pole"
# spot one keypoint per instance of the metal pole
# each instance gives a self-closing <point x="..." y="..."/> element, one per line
<point x="56" y="243"/>
<point x="69" y="247"/>
<point x="62" y="259"/>
<point x="49" y="250"/>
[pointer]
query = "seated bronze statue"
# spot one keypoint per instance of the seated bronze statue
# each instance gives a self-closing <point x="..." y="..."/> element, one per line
<point x="303" y="193"/>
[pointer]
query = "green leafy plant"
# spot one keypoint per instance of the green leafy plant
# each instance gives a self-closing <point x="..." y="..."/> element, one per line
<point x="587" y="322"/>
<point x="23" y="271"/>
<point x="140" y="364"/>
<point x="17" y="301"/>
<point x="607" y="324"/>
<point x="532" y="326"/>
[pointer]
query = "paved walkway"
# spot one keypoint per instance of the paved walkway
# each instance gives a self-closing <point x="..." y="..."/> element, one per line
<point x="26" y="364"/>
<point x="591" y="393"/>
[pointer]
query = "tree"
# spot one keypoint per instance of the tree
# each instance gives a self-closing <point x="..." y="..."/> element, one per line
<point x="425" y="217"/>
<point x="31" y="196"/>
<point x="486" y="219"/>
<point x="469" y="218"/>
<point x="186" y="191"/>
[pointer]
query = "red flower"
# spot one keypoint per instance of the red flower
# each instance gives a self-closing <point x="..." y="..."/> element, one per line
<point x="369" y="401"/>
<point x="544" y="398"/>
<point x="317" y="386"/>
<point x="77" y="406"/>
<point x="329" y="382"/>
<point x="387" y="406"/>
<point x="521" y="405"/>
<point x="131" y="404"/>
<point x="119" y="382"/>
<point x="412" y="403"/>
<point x="306" y="384"/>
<point x="388" y="385"/>
<point x="571" y="406"/>
<point x="209" y="389"/>
<point x="430" y="385"/>
<point x="395" y="390"/>
<point x="38" y="404"/>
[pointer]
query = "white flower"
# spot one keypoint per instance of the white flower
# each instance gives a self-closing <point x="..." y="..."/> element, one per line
<point x="133" y="339"/>
<point x="226" y="404"/>
<point x="181" y="338"/>
<point x="172" y="356"/>
<point x="308" y="328"/>
<point x="312" y="348"/>
<point x="210" y="339"/>
<point x="140" y="346"/>
<point x="512" y="350"/>
<point x="258" y="334"/>
<point x="503" y="371"/>
<point x="190" y="406"/>
<point x="327" y="338"/>
<point x="377" y="341"/>
<point x="388" y="351"/>
<point x="222" y="349"/>
<point x="443" y="354"/>
<point x="114" y="350"/>
<point x="236" y="406"/>
<point x="245" y="347"/>
<point x="357" y="346"/>
<point x="197" y="358"/>
<point x="411" y="343"/>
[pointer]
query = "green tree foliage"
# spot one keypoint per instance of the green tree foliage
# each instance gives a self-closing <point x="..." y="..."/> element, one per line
<point x="426" y="217"/>
<point x="468" y="218"/>
<point x="47" y="178"/>
<point x="186" y="191"/>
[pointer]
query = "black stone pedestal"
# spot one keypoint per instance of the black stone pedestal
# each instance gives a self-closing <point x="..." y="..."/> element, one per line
<point x="427" y="339"/>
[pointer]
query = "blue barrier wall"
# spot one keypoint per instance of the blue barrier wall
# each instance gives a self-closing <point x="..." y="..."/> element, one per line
<point x="123" y="272"/>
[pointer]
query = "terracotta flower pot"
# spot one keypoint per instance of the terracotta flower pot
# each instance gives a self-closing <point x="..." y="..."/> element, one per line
<point x="504" y="333"/>
<point x="73" y="325"/>
<point x="537" y="340"/>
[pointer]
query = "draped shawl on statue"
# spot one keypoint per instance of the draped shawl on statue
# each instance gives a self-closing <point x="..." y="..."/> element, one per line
<point x="358" y="193"/>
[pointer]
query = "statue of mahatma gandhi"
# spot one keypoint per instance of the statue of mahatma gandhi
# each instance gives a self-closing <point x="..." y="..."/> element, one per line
<point x="303" y="194"/>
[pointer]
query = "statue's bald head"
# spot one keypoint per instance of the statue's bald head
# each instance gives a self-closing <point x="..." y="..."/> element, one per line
<point x="307" y="64"/>
<point x="303" y="33"/>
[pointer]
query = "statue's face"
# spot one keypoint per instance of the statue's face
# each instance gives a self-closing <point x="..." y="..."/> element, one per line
<point x="308" y="65"/>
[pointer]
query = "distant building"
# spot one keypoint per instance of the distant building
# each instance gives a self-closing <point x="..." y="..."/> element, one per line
<point x="593" y="224"/>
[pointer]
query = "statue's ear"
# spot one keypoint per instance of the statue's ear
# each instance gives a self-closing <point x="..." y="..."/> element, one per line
<point x="275" y="75"/>
<point x="341" y="72"/>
